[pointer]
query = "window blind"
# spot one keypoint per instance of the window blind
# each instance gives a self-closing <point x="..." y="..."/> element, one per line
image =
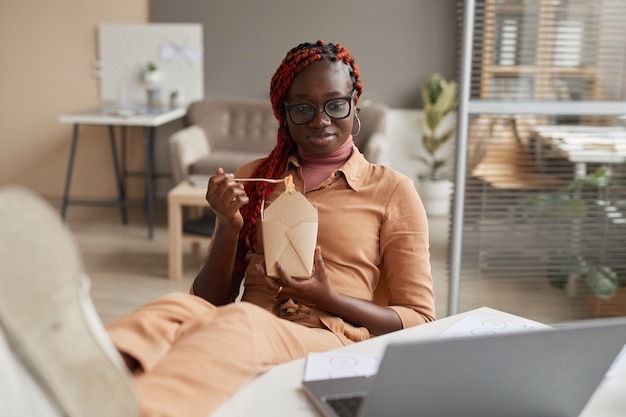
<point x="548" y="50"/>
<point x="544" y="201"/>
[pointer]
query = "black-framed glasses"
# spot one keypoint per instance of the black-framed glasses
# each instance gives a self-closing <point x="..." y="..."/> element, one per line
<point x="335" y="108"/>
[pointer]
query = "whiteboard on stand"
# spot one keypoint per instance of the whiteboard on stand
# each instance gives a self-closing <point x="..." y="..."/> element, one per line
<point x="125" y="50"/>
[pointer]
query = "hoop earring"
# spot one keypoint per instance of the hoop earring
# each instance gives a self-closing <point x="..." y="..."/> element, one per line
<point x="356" y="117"/>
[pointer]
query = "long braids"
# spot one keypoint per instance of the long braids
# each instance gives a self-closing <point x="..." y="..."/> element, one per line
<point x="275" y="164"/>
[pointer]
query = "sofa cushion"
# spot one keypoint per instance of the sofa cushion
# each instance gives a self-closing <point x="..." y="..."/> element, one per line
<point x="245" y="125"/>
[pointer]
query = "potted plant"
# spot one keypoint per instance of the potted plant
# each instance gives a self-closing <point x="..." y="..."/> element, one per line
<point x="152" y="76"/>
<point x="437" y="127"/>
<point x="573" y="262"/>
<point x="152" y="81"/>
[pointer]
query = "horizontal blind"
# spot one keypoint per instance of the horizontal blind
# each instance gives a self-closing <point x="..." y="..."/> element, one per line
<point x="540" y="225"/>
<point x="549" y="50"/>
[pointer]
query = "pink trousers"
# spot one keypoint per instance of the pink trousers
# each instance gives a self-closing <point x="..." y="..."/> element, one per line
<point x="195" y="355"/>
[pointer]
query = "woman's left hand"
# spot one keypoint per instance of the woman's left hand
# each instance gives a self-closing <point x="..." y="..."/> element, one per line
<point x="318" y="292"/>
<point x="313" y="290"/>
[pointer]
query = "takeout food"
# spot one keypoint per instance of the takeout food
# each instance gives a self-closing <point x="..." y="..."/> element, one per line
<point x="289" y="233"/>
<point x="290" y="187"/>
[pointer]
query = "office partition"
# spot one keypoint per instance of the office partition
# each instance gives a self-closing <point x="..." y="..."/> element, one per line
<point x="539" y="208"/>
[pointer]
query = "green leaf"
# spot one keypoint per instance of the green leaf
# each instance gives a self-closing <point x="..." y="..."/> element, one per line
<point x="433" y="87"/>
<point x="561" y="266"/>
<point x="422" y="159"/>
<point x="446" y="135"/>
<point x="446" y="101"/>
<point x="570" y="209"/>
<point x="433" y="118"/>
<point x="602" y="282"/>
<point x="438" y="164"/>
<point x="430" y="144"/>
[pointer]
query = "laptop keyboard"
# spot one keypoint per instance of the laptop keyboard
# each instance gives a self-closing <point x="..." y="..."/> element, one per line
<point x="347" y="406"/>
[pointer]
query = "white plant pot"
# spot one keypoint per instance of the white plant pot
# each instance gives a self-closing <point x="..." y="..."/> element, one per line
<point x="436" y="196"/>
<point x="152" y="79"/>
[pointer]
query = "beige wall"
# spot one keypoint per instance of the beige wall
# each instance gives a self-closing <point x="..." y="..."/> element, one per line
<point x="46" y="54"/>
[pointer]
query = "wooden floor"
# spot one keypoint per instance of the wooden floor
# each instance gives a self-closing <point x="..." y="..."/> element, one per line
<point x="127" y="269"/>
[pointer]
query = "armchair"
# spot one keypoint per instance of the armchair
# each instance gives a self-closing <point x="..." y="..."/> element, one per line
<point x="224" y="132"/>
<point x="231" y="132"/>
<point x="372" y="139"/>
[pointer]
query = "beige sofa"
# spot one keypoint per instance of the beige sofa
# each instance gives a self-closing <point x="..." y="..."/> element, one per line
<point x="230" y="132"/>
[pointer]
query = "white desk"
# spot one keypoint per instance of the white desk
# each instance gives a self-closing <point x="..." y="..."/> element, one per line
<point x="278" y="392"/>
<point x="584" y="144"/>
<point x="111" y="116"/>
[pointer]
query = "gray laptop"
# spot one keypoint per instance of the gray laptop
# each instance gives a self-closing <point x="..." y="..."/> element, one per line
<point x="536" y="373"/>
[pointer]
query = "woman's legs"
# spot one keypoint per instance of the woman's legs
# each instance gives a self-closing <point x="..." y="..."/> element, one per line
<point x="212" y="354"/>
<point x="148" y="333"/>
<point x="194" y="355"/>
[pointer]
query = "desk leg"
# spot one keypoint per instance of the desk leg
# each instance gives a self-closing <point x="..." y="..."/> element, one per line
<point x="70" y="167"/>
<point x="580" y="170"/>
<point x="121" y="191"/>
<point x="175" y="239"/>
<point x="148" y="138"/>
<point x="123" y="154"/>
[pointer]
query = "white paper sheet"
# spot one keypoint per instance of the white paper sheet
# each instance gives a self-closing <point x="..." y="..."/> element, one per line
<point x="329" y="365"/>
<point x="476" y="325"/>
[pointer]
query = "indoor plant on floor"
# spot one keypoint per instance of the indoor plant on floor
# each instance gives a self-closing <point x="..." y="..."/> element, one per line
<point x="586" y="207"/>
<point x="437" y="127"/>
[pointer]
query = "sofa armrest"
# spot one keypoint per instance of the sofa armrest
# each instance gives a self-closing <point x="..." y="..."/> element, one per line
<point x="375" y="150"/>
<point x="186" y="147"/>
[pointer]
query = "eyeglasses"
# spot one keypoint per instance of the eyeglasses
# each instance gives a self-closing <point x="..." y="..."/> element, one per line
<point x="336" y="108"/>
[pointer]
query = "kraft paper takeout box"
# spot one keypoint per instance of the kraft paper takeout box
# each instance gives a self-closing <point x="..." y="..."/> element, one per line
<point x="289" y="235"/>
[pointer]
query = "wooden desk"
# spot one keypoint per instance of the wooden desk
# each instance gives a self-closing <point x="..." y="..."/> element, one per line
<point x="278" y="391"/>
<point x="184" y="194"/>
<point x="583" y="144"/>
<point x="111" y="116"/>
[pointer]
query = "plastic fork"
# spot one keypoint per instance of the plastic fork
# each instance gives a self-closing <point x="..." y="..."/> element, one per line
<point x="273" y="181"/>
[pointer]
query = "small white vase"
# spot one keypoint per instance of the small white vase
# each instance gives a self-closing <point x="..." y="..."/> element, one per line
<point x="436" y="196"/>
<point x="152" y="78"/>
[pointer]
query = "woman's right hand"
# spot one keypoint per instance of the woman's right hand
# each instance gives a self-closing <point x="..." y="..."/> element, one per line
<point x="226" y="197"/>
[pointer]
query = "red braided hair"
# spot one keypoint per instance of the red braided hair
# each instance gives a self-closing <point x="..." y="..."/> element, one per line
<point x="275" y="164"/>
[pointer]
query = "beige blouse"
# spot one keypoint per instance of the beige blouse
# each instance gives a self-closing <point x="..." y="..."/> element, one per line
<point x="371" y="223"/>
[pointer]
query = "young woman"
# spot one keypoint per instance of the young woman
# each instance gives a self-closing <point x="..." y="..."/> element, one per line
<point x="190" y="352"/>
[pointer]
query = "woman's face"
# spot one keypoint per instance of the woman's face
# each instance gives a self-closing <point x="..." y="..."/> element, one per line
<point x="317" y="84"/>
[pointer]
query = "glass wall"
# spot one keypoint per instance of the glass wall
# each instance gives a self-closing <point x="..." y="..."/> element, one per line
<point x="540" y="214"/>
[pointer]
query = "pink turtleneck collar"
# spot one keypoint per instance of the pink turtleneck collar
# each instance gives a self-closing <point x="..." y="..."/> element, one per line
<point x="316" y="168"/>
